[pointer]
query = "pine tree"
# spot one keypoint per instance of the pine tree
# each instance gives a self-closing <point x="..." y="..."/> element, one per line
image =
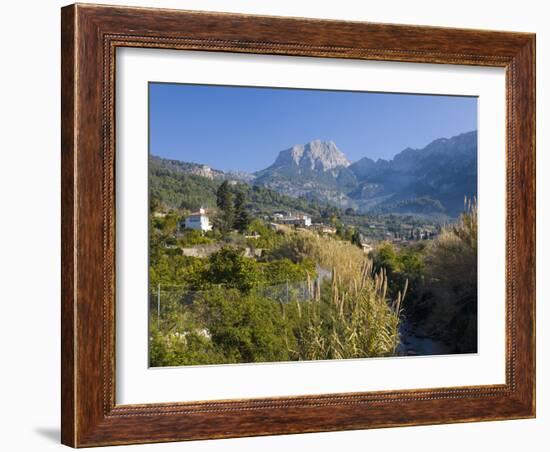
<point x="242" y="217"/>
<point x="224" y="201"/>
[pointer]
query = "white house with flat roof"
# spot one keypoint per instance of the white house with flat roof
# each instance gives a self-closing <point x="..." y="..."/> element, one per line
<point x="198" y="221"/>
<point x="297" y="220"/>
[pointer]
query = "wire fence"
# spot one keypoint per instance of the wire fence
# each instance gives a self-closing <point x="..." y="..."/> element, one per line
<point x="165" y="300"/>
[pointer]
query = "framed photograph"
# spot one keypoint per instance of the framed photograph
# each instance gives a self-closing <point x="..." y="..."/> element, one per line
<point x="282" y="225"/>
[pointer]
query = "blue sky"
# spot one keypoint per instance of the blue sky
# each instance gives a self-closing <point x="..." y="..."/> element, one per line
<point x="244" y="128"/>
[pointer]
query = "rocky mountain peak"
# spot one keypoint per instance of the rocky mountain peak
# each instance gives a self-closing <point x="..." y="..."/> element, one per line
<point x="316" y="155"/>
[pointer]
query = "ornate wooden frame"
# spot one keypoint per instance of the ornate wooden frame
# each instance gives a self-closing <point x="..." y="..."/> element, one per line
<point x="90" y="35"/>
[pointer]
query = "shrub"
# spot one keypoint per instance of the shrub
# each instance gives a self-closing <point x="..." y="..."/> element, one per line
<point x="295" y="247"/>
<point x="268" y="238"/>
<point x="192" y="237"/>
<point x="284" y="270"/>
<point x="407" y="263"/>
<point x="452" y="265"/>
<point x="244" y="328"/>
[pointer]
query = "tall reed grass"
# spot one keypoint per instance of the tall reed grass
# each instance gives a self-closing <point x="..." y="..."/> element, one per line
<point x="351" y="318"/>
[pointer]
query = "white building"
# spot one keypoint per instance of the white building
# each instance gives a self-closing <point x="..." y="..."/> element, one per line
<point x="296" y="220"/>
<point x="198" y="221"/>
<point x="300" y="220"/>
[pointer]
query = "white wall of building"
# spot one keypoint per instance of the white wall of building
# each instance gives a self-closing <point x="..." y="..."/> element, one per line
<point x="198" y="222"/>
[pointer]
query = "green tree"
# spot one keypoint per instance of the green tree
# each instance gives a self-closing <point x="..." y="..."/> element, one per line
<point x="230" y="269"/>
<point x="169" y="224"/>
<point x="242" y="217"/>
<point x="224" y="201"/>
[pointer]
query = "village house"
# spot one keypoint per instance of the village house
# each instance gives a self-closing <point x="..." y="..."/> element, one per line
<point x="303" y="221"/>
<point x="198" y="221"/>
<point x="323" y="228"/>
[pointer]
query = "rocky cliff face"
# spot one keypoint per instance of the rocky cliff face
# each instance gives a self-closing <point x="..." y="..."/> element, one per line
<point x="316" y="156"/>
<point x="317" y="170"/>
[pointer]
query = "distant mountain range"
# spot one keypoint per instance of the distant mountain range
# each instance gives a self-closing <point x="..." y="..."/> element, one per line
<point x="430" y="181"/>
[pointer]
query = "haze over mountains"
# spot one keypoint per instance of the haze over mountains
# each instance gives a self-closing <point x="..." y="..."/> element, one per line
<point x="430" y="181"/>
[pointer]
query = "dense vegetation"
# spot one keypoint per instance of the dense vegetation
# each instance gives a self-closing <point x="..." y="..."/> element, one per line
<point x="228" y="308"/>
<point x="442" y="302"/>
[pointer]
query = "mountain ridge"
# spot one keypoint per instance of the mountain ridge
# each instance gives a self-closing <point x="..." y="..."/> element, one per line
<point x="432" y="180"/>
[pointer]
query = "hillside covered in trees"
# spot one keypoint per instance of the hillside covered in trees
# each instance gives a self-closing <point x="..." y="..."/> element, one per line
<point x="186" y="191"/>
